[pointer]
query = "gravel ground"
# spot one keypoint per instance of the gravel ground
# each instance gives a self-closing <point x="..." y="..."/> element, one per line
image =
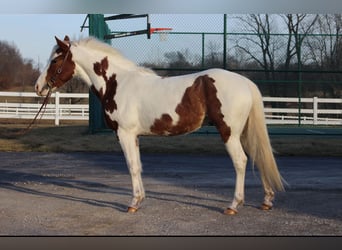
<point x="87" y="194"/>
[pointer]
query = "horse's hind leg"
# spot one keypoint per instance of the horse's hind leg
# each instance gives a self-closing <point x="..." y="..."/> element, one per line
<point x="269" y="196"/>
<point x="130" y="146"/>
<point x="239" y="159"/>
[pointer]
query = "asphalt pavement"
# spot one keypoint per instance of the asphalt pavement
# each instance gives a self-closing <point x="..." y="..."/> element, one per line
<point x="88" y="193"/>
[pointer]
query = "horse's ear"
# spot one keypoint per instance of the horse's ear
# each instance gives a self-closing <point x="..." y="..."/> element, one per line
<point x="66" y="39"/>
<point x="61" y="44"/>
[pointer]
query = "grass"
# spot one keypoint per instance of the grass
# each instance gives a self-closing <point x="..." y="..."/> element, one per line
<point x="73" y="137"/>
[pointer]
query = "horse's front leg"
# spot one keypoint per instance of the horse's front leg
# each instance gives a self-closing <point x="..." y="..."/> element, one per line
<point x="130" y="146"/>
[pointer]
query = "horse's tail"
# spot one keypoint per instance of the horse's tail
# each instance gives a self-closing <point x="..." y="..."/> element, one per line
<point x="257" y="144"/>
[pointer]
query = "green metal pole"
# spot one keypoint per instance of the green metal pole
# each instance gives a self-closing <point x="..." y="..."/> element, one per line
<point x="97" y="28"/>
<point x="225" y="41"/>
<point x="299" y="81"/>
<point x="203" y="44"/>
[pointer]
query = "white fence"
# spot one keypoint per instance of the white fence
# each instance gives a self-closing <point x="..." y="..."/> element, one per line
<point x="57" y="110"/>
<point x="315" y="115"/>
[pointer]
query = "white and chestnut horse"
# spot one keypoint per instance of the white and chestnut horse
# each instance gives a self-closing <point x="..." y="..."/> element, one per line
<point x="136" y="102"/>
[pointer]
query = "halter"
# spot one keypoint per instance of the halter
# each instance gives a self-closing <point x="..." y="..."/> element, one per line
<point x="58" y="71"/>
<point x="50" y="84"/>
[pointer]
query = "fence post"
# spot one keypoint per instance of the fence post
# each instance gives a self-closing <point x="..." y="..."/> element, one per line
<point x="315" y="110"/>
<point x="57" y="108"/>
<point x="225" y="41"/>
<point x="299" y="68"/>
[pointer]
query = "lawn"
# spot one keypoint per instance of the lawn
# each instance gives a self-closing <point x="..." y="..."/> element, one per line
<point x="73" y="137"/>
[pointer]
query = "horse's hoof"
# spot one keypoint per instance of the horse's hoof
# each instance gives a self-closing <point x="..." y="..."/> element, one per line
<point x="265" y="207"/>
<point x="131" y="210"/>
<point x="230" y="211"/>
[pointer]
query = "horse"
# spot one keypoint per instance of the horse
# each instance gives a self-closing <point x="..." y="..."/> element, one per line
<point x="136" y="102"/>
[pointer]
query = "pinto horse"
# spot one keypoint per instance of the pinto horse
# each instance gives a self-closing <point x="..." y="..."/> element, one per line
<point x="136" y="102"/>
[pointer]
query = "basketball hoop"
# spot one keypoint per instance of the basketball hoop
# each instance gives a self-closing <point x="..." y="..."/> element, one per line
<point x="162" y="32"/>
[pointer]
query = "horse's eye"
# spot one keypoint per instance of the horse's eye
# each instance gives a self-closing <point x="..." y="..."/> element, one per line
<point x="53" y="61"/>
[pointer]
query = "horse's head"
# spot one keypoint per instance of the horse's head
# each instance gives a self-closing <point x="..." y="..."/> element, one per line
<point x="59" y="70"/>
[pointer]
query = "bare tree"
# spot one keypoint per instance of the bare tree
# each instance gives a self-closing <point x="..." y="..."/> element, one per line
<point x="28" y="74"/>
<point x="260" y="26"/>
<point x="179" y="60"/>
<point x="10" y="62"/>
<point x="261" y="47"/>
<point x="14" y="70"/>
<point x="325" y="52"/>
<point x="298" y="28"/>
<point x="214" y="54"/>
<point x="269" y="50"/>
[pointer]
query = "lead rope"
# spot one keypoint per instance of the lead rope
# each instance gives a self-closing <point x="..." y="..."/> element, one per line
<point x="43" y="107"/>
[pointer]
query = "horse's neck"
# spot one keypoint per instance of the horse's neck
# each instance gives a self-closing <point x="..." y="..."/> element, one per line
<point x="86" y="61"/>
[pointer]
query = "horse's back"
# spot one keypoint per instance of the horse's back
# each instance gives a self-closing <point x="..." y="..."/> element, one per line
<point x="232" y="88"/>
<point x="229" y="80"/>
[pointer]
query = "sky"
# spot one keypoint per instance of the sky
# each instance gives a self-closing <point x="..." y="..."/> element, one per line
<point x="33" y="34"/>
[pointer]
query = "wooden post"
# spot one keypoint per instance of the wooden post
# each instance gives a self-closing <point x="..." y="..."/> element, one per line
<point x="57" y="108"/>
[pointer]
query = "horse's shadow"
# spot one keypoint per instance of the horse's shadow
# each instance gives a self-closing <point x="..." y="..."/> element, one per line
<point x="318" y="203"/>
<point x="14" y="180"/>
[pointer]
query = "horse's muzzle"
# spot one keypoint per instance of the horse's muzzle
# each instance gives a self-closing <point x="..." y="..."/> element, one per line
<point x="43" y="91"/>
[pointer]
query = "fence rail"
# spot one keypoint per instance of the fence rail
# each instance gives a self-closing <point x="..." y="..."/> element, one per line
<point x="56" y="110"/>
<point x="309" y="111"/>
<point x="317" y="114"/>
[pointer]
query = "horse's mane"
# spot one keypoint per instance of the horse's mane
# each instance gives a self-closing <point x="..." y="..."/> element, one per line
<point x="123" y="62"/>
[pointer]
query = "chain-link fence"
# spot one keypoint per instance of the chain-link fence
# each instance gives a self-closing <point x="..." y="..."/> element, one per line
<point x="277" y="62"/>
<point x="286" y="55"/>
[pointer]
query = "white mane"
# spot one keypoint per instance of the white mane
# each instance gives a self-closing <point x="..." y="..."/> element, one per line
<point x="123" y="62"/>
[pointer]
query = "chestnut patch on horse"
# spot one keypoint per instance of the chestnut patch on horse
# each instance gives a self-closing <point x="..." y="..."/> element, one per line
<point x="163" y="125"/>
<point x="106" y="98"/>
<point x="214" y="110"/>
<point x="198" y="99"/>
<point x="66" y="65"/>
<point x="113" y="125"/>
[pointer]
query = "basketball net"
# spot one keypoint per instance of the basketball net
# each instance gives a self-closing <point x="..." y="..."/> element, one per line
<point x="162" y="32"/>
<point x="163" y="36"/>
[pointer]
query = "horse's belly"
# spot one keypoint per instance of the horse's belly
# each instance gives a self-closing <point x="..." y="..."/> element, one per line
<point x="165" y="125"/>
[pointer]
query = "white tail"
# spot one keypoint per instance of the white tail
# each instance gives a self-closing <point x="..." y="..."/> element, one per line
<point x="257" y="144"/>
